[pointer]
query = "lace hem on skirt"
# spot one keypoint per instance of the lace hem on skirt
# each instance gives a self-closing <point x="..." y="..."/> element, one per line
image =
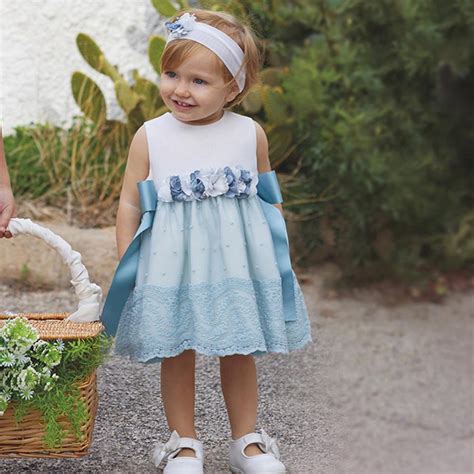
<point x="231" y="316"/>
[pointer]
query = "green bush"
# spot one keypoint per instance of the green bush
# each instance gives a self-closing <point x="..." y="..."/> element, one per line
<point x="80" y="168"/>
<point x="27" y="175"/>
<point x="381" y="93"/>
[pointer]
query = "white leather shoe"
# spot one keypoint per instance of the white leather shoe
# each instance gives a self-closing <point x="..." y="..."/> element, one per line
<point x="267" y="463"/>
<point x="182" y="464"/>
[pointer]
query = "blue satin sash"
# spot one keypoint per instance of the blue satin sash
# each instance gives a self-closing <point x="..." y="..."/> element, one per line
<point x="123" y="282"/>
<point x="268" y="191"/>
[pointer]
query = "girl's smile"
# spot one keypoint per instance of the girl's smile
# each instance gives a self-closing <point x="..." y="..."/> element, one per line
<point x="183" y="105"/>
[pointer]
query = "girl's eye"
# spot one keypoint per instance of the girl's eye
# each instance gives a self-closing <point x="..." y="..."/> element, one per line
<point x="172" y="75"/>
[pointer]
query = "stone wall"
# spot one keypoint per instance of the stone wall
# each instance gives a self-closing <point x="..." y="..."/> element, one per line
<point x="38" y="53"/>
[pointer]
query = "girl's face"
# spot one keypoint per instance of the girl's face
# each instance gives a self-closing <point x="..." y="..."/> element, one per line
<point x="197" y="83"/>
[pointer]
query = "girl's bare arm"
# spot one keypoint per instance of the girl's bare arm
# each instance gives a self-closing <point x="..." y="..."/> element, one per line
<point x="129" y="213"/>
<point x="263" y="161"/>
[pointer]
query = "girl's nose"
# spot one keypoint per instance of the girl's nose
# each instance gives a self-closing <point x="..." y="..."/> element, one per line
<point x="182" y="89"/>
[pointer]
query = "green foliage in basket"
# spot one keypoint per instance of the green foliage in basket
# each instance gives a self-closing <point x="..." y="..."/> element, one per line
<point x="44" y="375"/>
<point x="27" y="362"/>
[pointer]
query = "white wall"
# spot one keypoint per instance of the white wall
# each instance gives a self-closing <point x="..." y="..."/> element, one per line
<point x="38" y="53"/>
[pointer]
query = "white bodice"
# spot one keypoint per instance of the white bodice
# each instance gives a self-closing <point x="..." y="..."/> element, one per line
<point x="179" y="148"/>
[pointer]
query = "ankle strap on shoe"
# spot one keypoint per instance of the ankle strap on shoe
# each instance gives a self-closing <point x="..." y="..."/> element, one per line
<point x="194" y="444"/>
<point x="266" y="442"/>
<point x="250" y="438"/>
<point x="174" y="444"/>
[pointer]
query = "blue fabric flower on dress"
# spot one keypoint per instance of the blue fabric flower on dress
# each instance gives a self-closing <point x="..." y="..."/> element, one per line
<point x="176" y="190"/>
<point x="197" y="186"/>
<point x="232" y="182"/>
<point x="246" y="178"/>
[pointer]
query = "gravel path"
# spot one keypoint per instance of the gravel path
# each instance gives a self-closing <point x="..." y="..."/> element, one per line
<point x="383" y="389"/>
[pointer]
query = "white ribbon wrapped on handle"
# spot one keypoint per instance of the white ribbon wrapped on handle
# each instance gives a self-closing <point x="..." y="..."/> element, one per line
<point x="89" y="294"/>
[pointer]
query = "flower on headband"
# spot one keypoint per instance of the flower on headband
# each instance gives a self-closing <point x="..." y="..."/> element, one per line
<point x="181" y="26"/>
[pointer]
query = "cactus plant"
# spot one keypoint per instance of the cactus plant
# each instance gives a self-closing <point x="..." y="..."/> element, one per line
<point x="140" y="101"/>
<point x="156" y="45"/>
<point x="94" y="56"/>
<point x="89" y="97"/>
<point x="167" y="8"/>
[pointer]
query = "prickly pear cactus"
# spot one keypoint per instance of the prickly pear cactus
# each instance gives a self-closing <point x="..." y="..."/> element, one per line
<point x="168" y="8"/>
<point x="94" y="56"/>
<point x="89" y="97"/>
<point x="156" y="46"/>
<point x="140" y="100"/>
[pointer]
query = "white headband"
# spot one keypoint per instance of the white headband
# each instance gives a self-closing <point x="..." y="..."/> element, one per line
<point x="231" y="54"/>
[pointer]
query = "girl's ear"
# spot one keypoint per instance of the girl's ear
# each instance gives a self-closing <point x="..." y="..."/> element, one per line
<point x="234" y="91"/>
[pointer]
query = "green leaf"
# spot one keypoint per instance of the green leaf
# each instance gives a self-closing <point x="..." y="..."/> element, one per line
<point x="164" y="7"/>
<point x="156" y="45"/>
<point x="90" y="51"/>
<point x="252" y="102"/>
<point x="274" y="104"/>
<point x="150" y="97"/>
<point x="126" y="97"/>
<point x="88" y="97"/>
<point x="94" y="56"/>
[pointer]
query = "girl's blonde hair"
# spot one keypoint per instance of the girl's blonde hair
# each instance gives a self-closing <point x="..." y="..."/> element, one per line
<point x="177" y="51"/>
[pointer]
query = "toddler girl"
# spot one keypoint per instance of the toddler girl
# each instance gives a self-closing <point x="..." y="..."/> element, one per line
<point x="208" y="269"/>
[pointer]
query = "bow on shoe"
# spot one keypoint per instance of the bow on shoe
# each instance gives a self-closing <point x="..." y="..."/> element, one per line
<point x="165" y="449"/>
<point x="269" y="444"/>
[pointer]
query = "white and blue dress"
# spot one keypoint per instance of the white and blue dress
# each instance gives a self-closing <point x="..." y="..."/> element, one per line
<point x="207" y="274"/>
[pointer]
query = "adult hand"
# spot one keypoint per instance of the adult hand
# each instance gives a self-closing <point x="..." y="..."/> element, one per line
<point x="7" y="210"/>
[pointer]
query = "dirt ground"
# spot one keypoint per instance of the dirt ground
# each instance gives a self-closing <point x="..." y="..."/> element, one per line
<point x="386" y="386"/>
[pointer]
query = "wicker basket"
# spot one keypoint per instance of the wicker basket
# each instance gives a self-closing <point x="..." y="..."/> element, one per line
<point x="26" y="438"/>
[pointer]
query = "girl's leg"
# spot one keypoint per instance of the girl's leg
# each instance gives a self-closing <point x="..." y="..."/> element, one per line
<point x="177" y="392"/>
<point x="239" y="387"/>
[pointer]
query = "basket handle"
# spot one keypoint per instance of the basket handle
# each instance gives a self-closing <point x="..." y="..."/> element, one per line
<point x="89" y="294"/>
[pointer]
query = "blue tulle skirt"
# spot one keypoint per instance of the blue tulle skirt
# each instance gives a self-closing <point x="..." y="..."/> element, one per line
<point x="208" y="280"/>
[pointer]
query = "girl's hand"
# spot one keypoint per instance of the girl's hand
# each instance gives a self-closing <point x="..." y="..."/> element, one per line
<point x="7" y="209"/>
